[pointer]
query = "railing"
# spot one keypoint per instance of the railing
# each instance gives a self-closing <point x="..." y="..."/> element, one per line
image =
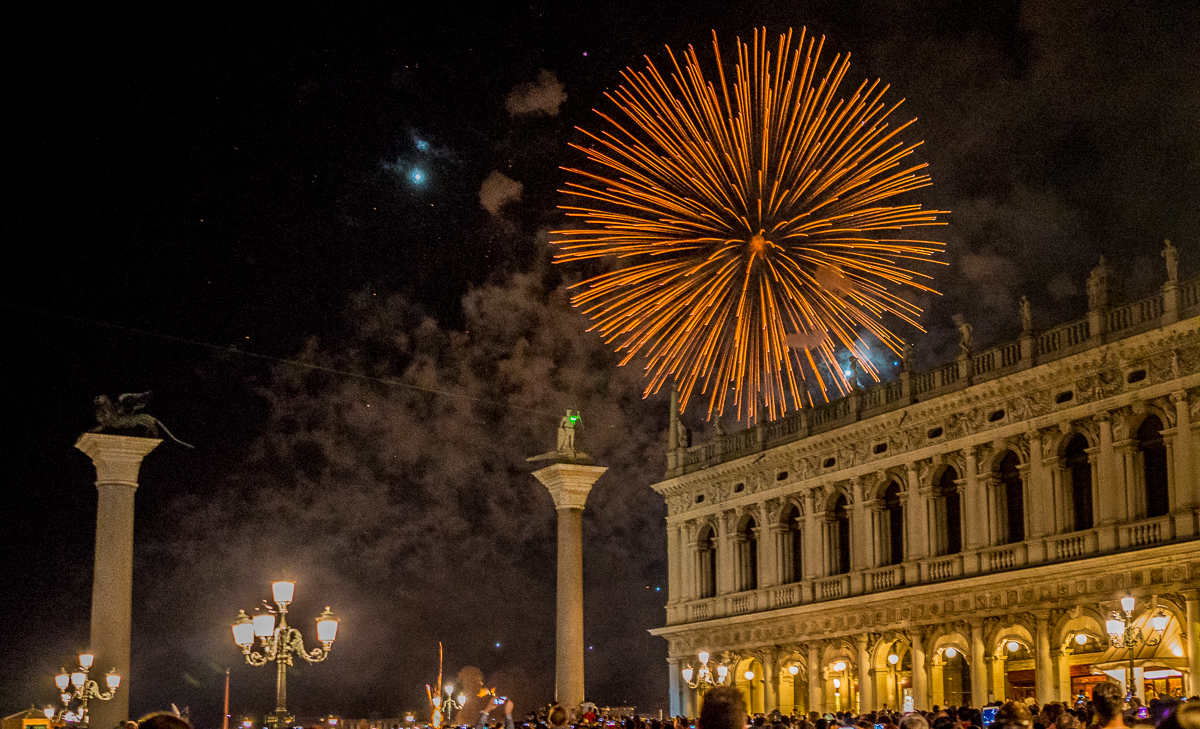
<point x="784" y="596"/>
<point x="1148" y="532"/>
<point x="1139" y="312"/>
<point x="833" y="587"/>
<point x="1006" y="557"/>
<point x="1067" y="336"/>
<point x="1072" y="546"/>
<point x="740" y="604"/>
<point x="1189" y="294"/>
<point x="885" y="578"/>
<point x="944" y="568"/>
<point x="699" y="611"/>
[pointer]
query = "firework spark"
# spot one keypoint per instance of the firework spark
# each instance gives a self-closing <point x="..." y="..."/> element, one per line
<point x="746" y="216"/>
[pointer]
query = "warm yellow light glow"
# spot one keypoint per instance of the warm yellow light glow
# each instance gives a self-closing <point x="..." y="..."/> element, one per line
<point x="951" y="652"/>
<point x="1177" y="652"/>
<point x="1114" y="627"/>
<point x="756" y="222"/>
<point x="1159" y="621"/>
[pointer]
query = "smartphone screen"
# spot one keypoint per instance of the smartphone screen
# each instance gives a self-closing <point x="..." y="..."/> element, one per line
<point x="988" y="714"/>
<point x="1143" y="712"/>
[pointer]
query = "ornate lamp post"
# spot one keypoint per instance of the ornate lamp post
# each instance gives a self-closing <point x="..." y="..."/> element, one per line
<point x="76" y="686"/>
<point x="705" y="678"/>
<point x="893" y="659"/>
<point x="449" y="705"/>
<point x="280" y="642"/>
<point x="1123" y="633"/>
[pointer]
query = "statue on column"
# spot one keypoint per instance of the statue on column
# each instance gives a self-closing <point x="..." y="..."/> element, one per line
<point x="965" y="332"/>
<point x="566" y="448"/>
<point x="566" y="431"/>
<point x="127" y="415"/>
<point x="1026" y="315"/>
<point x="1171" y="255"/>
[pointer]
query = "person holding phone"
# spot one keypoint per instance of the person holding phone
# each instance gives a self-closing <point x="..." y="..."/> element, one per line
<point x="1109" y="701"/>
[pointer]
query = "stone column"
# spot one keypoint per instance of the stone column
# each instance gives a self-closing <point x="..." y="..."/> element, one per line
<point x="1043" y="668"/>
<point x="675" y="554"/>
<point x="770" y="658"/>
<point x="999" y="678"/>
<point x="675" y="686"/>
<point x="916" y="516"/>
<point x="813" y="542"/>
<point x="1192" y="648"/>
<point x="860" y="529"/>
<point x="866" y="696"/>
<point x="1040" y="490"/>
<point x="975" y="529"/>
<point x="1187" y="490"/>
<point x="569" y="485"/>
<point x="919" y="683"/>
<point x="979" y="679"/>
<point x="117" y="458"/>
<point x="1062" y="666"/>
<point x="816" y="699"/>
<point x="1108" y="507"/>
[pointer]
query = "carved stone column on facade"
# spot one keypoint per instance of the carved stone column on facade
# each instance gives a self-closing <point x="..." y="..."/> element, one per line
<point x="917" y="515"/>
<point x="728" y="555"/>
<point x="860" y="551"/>
<point x="974" y="529"/>
<point x="816" y="691"/>
<point x="813" y="566"/>
<point x="1062" y="669"/>
<point x="1111" y="498"/>
<point x="768" y="548"/>
<point x="919" y="682"/>
<point x="770" y="659"/>
<point x="675" y="556"/>
<point x="1043" y="668"/>
<point x="866" y="696"/>
<point x="1040" y="490"/>
<point x="781" y="556"/>
<point x="999" y="679"/>
<point x="1187" y="480"/>
<point x="676" y="694"/>
<point x="1192" y="638"/>
<point x="979" y="682"/>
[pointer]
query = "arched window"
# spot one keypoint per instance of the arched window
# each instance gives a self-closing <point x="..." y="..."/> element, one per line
<point x="1079" y="471"/>
<point x="749" y="545"/>
<point x="1154" y="466"/>
<point x="841" y="514"/>
<point x="893" y="522"/>
<point x="706" y="550"/>
<point x="949" y="513"/>
<point x="793" y="546"/>
<point x="1014" y="499"/>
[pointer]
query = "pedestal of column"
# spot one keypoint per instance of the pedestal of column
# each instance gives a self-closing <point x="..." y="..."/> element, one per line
<point x="117" y="458"/>
<point x="569" y="485"/>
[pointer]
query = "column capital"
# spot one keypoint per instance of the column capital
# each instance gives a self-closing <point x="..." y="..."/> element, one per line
<point x="117" y="458"/>
<point x="569" y="483"/>
<point x="1102" y="417"/>
<point x="1179" y="396"/>
<point x="861" y="641"/>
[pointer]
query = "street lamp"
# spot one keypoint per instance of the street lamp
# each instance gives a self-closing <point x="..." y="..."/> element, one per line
<point x="75" y="686"/>
<point x="704" y="677"/>
<point x="893" y="659"/>
<point x="449" y="705"/>
<point x="280" y="642"/>
<point x="1123" y="633"/>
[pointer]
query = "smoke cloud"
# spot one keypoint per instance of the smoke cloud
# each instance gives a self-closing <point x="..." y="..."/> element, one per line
<point x="543" y="96"/>
<point x="497" y="191"/>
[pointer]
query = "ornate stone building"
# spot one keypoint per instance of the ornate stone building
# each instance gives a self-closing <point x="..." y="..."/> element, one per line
<point x="958" y="535"/>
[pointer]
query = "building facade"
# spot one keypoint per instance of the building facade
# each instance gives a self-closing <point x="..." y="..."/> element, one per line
<point x="959" y="535"/>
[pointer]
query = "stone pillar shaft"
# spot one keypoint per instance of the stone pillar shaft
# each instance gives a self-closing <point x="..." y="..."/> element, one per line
<point x="118" y="459"/>
<point x="1044" y="669"/>
<point x="979" y="681"/>
<point x="919" y="684"/>
<point x="569" y="485"/>
<point x="816" y="701"/>
<point x="1192" y="636"/>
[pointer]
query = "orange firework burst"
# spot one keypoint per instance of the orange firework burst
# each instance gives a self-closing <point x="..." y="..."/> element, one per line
<point x="754" y="217"/>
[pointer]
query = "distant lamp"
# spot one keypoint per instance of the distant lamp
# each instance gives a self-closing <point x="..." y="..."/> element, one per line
<point x="894" y="659"/>
<point x="839" y="666"/>
<point x="722" y="672"/>
<point x="1115" y="627"/>
<point x="1127" y="604"/>
<point x="243" y="630"/>
<point x="1080" y="638"/>
<point x="837" y="683"/>
<point x="49" y="712"/>
<point x="688" y="672"/>
<point x="86" y="660"/>
<point x="76" y="690"/>
<point x="264" y="625"/>
<point x="703" y="656"/>
<point x="78" y="678"/>
<point x="1013" y="646"/>
<point x="112" y="680"/>
<point x="749" y="675"/>
<point x="327" y="627"/>
<point x="1177" y="652"/>
<point x="793" y="669"/>
<point x="950" y="652"/>
<point x="62" y="680"/>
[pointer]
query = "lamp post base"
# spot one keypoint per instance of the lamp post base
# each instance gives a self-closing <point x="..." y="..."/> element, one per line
<point x="280" y="720"/>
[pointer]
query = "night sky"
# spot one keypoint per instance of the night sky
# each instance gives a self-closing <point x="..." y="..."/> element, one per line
<point x="209" y="203"/>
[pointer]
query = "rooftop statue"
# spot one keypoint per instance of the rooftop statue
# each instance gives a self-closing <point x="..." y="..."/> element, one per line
<point x="566" y="449"/>
<point x="127" y="415"/>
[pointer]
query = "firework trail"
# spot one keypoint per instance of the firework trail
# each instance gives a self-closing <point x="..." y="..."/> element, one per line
<point x="752" y="223"/>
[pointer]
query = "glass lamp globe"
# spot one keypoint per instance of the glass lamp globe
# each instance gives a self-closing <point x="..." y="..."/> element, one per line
<point x="86" y="660"/>
<point x="462" y="699"/>
<point x="1127" y="603"/>
<point x="688" y="672"/>
<point x="703" y="656"/>
<point x="283" y="591"/>
<point x="243" y="630"/>
<point x="437" y="702"/>
<point x="62" y="679"/>
<point x="1013" y="646"/>
<point x="894" y="659"/>
<point x="78" y="678"/>
<point x="749" y="675"/>
<point x="327" y="627"/>
<point x="951" y="652"/>
<point x="1159" y="621"/>
<point x="793" y="669"/>
<point x="839" y="666"/>
<point x="837" y="683"/>
<point x="113" y="680"/>
<point x="722" y="672"/>
<point x="49" y="712"/>
<point x="1114" y="627"/>
<point x="264" y="625"/>
<point x="1080" y="639"/>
